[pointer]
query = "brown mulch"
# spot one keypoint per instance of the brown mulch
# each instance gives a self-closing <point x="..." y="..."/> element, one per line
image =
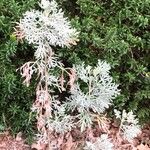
<point x="142" y="142"/>
<point x="7" y="142"/>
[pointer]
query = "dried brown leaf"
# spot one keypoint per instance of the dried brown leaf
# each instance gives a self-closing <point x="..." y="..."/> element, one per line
<point x="143" y="147"/>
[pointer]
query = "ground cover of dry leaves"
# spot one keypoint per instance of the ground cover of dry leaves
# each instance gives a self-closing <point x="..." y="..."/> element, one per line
<point x="75" y="140"/>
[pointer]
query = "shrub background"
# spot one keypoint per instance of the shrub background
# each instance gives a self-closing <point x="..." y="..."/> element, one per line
<point x="115" y="31"/>
<point x="15" y="98"/>
<point x="118" y="32"/>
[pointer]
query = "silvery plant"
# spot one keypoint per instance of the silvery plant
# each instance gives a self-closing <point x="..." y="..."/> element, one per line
<point x="97" y="95"/>
<point x="92" y="89"/>
<point x="101" y="143"/>
<point x="129" y="126"/>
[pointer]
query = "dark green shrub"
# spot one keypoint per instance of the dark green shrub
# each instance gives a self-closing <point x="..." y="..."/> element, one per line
<point x="117" y="31"/>
<point x="15" y="98"/>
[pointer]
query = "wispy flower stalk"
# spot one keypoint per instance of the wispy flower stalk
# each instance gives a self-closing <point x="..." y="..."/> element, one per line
<point x="44" y="29"/>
